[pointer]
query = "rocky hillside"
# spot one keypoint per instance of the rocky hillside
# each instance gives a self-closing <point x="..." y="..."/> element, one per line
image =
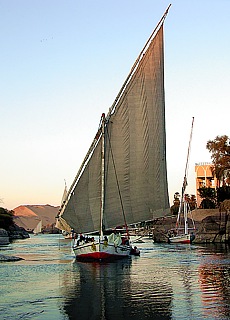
<point x="29" y="216"/>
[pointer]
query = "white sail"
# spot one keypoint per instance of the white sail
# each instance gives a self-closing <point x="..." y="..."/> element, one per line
<point x="135" y="154"/>
<point x="60" y="222"/>
<point x="137" y="144"/>
<point x="38" y="228"/>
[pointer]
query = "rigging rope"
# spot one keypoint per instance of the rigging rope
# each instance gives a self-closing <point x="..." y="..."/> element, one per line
<point x="117" y="182"/>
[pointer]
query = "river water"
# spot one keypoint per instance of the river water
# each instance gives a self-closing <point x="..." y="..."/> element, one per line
<point x="165" y="282"/>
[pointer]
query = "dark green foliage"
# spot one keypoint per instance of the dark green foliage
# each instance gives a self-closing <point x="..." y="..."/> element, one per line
<point x="220" y="154"/>
<point x="209" y="198"/>
<point x="174" y="209"/>
<point x="6" y="218"/>
<point x="191" y="200"/>
<point x="176" y="204"/>
<point x="209" y="193"/>
<point x="207" y="204"/>
<point x="223" y="193"/>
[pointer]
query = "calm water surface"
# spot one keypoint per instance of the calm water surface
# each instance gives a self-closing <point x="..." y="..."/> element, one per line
<point x="166" y="282"/>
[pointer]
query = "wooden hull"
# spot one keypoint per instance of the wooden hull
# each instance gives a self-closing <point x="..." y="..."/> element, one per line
<point x="184" y="238"/>
<point x="100" y="251"/>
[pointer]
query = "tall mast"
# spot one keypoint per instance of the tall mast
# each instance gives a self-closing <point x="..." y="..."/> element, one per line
<point x="102" y="172"/>
<point x="185" y="183"/>
<point x="187" y="160"/>
<point x="183" y="203"/>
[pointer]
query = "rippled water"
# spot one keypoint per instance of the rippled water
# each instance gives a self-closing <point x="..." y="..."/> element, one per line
<point x="165" y="282"/>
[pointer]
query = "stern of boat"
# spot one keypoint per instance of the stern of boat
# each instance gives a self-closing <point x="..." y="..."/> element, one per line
<point x="101" y="251"/>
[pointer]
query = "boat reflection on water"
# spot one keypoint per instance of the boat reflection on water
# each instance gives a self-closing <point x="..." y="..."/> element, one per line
<point x="112" y="291"/>
<point x="166" y="282"/>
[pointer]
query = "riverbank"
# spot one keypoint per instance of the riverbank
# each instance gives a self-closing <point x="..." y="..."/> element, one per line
<point x="211" y="226"/>
<point x="4" y="258"/>
<point x="14" y="233"/>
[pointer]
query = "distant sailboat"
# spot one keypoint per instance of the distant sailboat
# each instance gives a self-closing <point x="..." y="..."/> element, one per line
<point x="183" y="234"/>
<point x="123" y="178"/>
<point x="60" y="222"/>
<point x="38" y="228"/>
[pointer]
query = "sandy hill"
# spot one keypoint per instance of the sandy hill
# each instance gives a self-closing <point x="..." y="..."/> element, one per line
<point x="29" y="216"/>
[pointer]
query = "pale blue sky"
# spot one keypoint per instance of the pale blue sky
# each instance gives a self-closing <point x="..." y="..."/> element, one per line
<point x="62" y="65"/>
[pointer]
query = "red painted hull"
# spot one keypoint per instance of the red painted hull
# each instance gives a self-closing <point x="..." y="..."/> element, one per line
<point x="183" y="239"/>
<point x="99" y="256"/>
<point x="101" y="252"/>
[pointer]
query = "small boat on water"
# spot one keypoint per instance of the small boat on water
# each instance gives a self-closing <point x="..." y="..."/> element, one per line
<point x="61" y="224"/>
<point x="183" y="234"/>
<point x="38" y="228"/>
<point x="123" y="178"/>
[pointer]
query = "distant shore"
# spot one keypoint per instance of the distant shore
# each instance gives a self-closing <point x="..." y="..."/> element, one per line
<point x="211" y="226"/>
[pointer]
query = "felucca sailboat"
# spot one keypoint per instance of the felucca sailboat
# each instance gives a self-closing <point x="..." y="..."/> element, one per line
<point x="184" y="234"/>
<point x="38" y="228"/>
<point x="123" y="178"/>
<point x="61" y="223"/>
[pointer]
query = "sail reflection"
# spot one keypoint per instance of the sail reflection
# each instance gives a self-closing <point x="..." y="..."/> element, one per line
<point x="113" y="291"/>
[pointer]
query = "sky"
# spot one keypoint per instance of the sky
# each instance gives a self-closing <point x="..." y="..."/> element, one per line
<point x="63" y="63"/>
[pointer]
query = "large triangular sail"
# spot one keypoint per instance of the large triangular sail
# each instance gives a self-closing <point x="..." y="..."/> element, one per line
<point x="135" y="152"/>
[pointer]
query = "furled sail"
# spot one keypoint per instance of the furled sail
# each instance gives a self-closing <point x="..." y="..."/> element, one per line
<point x="135" y="183"/>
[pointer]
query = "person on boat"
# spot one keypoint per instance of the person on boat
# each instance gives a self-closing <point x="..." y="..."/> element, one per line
<point x="78" y="242"/>
<point x="125" y="241"/>
<point x="82" y="238"/>
<point x="87" y="239"/>
<point x="192" y="236"/>
<point x="105" y="242"/>
<point x="134" y="251"/>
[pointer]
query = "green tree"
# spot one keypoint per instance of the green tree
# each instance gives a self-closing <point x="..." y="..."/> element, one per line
<point x="208" y="196"/>
<point x="176" y="204"/>
<point x="220" y="154"/>
<point x="191" y="199"/>
<point x="223" y="193"/>
<point x="6" y="218"/>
